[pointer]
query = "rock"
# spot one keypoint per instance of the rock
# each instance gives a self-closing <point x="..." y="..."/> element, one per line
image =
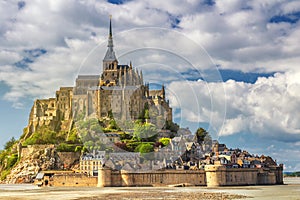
<point x="47" y="152"/>
<point x="39" y="158"/>
<point x="36" y="155"/>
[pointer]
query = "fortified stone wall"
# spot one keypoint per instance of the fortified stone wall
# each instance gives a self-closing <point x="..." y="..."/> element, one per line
<point x="266" y="178"/>
<point x="212" y="176"/>
<point x="219" y="175"/>
<point x="74" y="180"/>
<point x="107" y="178"/>
<point x="241" y="176"/>
<point x="278" y="173"/>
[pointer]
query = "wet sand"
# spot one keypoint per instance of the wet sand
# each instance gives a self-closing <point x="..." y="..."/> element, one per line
<point x="291" y="190"/>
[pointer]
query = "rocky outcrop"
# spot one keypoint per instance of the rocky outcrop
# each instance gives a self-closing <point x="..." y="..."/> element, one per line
<point x="38" y="158"/>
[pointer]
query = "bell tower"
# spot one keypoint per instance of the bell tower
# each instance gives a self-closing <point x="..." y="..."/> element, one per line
<point x="110" y="62"/>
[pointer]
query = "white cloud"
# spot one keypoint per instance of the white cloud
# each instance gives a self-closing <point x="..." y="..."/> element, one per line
<point x="290" y="7"/>
<point x="8" y="57"/>
<point x="269" y="107"/>
<point x="237" y="34"/>
<point x="43" y="77"/>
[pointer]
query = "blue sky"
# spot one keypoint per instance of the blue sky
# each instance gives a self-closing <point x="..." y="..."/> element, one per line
<point x="231" y="66"/>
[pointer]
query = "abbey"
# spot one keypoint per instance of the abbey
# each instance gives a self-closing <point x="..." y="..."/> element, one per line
<point x="119" y="91"/>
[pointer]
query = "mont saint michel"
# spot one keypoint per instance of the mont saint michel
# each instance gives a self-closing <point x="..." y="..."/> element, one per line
<point x="113" y="129"/>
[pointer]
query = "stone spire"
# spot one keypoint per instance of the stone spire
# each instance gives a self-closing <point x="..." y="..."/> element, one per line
<point x="110" y="54"/>
<point x="163" y="91"/>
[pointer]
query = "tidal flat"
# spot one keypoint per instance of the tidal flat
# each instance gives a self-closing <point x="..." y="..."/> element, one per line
<point x="290" y="190"/>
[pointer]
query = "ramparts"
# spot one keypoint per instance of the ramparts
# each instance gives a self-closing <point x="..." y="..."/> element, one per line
<point x="218" y="175"/>
<point x="74" y="179"/>
<point x="107" y="178"/>
<point x="211" y="176"/>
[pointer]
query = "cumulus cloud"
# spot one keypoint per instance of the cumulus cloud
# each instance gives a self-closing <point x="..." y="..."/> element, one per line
<point x="7" y="57"/>
<point x="46" y="44"/>
<point x="268" y="108"/>
<point x="236" y="34"/>
<point x="240" y="35"/>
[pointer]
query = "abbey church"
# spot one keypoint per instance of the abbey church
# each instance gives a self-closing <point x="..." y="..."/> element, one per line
<point x="119" y="91"/>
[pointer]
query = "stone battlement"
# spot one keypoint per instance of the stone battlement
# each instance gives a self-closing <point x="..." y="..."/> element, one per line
<point x="211" y="176"/>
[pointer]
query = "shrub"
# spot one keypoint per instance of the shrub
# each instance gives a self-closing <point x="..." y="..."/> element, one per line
<point x="132" y="146"/>
<point x="144" y="148"/>
<point x="63" y="147"/>
<point x="164" y="141"/>
<point x="11" y="161"/>
<point x="4" y="174"/>
<point x="78" y="148"/>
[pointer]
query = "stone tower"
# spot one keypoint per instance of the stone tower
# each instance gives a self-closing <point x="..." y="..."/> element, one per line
<point x="110" y="62"/>
<point x="119" y="91"/>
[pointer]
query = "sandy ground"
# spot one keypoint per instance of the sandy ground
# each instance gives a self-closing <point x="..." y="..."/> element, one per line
<point x="290" y="191"/>
<point x="134" y="193"/>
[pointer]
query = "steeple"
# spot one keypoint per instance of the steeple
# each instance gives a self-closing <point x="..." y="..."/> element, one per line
<point x="110" y="30"/>
<point x="163" y="91"/>
<point x="110" y="54"/>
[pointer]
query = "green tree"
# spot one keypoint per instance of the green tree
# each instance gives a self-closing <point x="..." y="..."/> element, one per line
<point x="78" y="148"/>
<point x="10" y="143"/>
<point x="63" y="147"/>
<point x="125" y="136"/>
<point x="124" y="125"/>
<point x="147" y="115"/>
<point x="145" y="132"/>
<point x="113" y="125"/>
<point x="165" y="141"/>
<point x="144" y="148"/>
<point x="43" y="135"/>
<point x="131" y="146"/>
<point x="73" y="137"/>
<point x="201" y="135"/>
<point x="89" y="145"/>
<point x="3" y="155"/>
<point x="110" y="114"/>
<point x="171" y="126"/>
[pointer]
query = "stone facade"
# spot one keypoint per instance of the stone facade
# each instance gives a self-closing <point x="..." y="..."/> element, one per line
<point x="211" y="176"/>
<point x="91" y="162"/>
<point x="119" y="91"/>
<point x="55" y="113"/>
<point x="74" y="180"/>
<point x="219" y="175"/>
<point x="108" y="178"/>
